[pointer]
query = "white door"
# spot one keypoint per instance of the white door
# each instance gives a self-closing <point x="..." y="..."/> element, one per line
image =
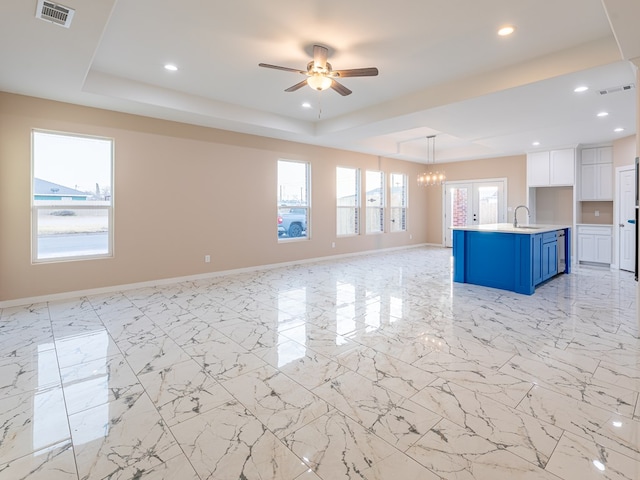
<point x="472" y="203"/>
<point x="626" y="212"/>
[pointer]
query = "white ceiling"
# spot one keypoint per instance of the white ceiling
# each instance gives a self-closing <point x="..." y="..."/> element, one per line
<point x="443" y="69"/>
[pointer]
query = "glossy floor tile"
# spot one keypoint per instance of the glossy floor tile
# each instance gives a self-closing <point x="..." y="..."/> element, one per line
<point x="373" y="367"/>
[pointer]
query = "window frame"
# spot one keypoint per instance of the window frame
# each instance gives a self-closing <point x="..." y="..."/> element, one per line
<point x="307" y="207"/>
<point x="42" y="205"/>
<point x="381" y="207"/>
<point x="404" y="203"/>
<point x="357" y="208"/>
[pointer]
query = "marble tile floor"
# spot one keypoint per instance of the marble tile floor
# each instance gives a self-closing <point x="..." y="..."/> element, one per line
<point x="370" y="367"/>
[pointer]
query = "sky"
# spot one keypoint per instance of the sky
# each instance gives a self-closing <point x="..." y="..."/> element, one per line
<point x="292" y="181"/>
<point x="72" y="161"/>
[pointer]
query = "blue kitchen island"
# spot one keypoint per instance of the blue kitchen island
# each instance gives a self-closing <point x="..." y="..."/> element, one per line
<point x="510" y="258"/>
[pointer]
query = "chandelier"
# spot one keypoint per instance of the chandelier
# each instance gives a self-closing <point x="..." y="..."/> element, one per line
<point x="428" y="179"/>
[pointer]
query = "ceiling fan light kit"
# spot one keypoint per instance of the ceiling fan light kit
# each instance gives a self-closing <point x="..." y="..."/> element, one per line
<point x="319" y="82"/>
<point x="321" y="76"/>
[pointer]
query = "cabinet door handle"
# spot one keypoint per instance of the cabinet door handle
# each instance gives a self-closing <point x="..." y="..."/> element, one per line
<point x="621" y="225"/>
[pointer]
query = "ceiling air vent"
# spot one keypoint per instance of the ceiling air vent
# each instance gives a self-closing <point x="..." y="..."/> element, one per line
<point x="54" y="13"/>
<point x="620" y="88"/>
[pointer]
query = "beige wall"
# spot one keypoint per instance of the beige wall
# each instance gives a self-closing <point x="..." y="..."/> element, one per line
<point x="200" y="169"/>
<point x="218" y="198"/>
<point x="554" y="205"/>
<point x="513" y="168"/>
<point x="604" y="209"/>
<point x="624" y="151"/>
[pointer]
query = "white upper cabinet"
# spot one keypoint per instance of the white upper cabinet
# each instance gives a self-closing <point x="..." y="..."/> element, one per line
<point x="538" y="169"/>
<point x="550" y="169"/>
<point x="589" y="156"/>
<point x="562" y="167"/>
<point x="596" y="174"/>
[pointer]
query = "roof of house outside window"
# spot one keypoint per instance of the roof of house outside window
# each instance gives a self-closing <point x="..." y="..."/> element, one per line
<point x="45" y="188"/>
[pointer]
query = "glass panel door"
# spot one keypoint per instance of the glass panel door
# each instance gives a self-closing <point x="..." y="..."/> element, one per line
<point x="486" y="196"/>
<point x="473" y="203"/>
<point x="458" y="208"/>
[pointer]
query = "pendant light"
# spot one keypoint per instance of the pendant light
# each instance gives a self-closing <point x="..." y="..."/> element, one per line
<point x="429" y="179"/>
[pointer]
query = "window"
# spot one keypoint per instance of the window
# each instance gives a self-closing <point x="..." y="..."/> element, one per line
<point x="293" y="199"/>
<point x="398" y="202"/>
<point x="72" y="201"/>
<point x="375" y="201"/>
<point x="347" y="201"/>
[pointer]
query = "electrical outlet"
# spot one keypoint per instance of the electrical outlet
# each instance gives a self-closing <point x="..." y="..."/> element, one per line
<point x="597" y="213"/>
<point x="410" y="237"/>
<point x="207" y="259"/>
<point x="333" y="244"/>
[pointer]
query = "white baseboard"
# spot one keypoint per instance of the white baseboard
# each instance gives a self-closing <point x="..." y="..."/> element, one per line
<point x="202" y="276"/>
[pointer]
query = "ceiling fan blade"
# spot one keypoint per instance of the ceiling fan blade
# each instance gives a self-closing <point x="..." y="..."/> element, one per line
<point x="341" y="89"/>
<point x="297" y="86"/>
<point x="357" y="72"/>
<point x="285" y="69"/>
<point x="320" y="56"/>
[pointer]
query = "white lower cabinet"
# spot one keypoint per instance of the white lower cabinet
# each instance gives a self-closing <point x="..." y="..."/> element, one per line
<point x="594" y="243"/>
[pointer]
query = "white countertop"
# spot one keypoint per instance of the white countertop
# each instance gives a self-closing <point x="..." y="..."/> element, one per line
<point x="594" y="225"/>
<point x="509" y="228"/>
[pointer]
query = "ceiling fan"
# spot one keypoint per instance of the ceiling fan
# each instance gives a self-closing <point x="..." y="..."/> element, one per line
<point x="321" y="76"/>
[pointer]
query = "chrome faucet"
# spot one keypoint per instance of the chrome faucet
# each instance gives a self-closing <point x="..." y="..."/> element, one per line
<point x="515" y="214"/>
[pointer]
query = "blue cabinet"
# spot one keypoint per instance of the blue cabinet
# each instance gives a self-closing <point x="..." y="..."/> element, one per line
<point x="549" y="260"/>
<point x="536" y="254"/>
<point x="510" y="261"/>
<point x="545" y="256"/>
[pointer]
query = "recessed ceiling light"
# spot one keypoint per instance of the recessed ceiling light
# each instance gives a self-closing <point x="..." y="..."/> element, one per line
<point x="603" y="114"/>
<point x="535" y="144"/>
<point x="580" y="89"/>
<point x="506" y="30"/>
<point x="170" y="67"/>
<point x="618" y="130"/>
<point x="306" y="105"/>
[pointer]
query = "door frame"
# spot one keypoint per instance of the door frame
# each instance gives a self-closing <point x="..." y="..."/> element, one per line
<point x="502" y="213"/>
<point x="616" y="216"/>
<point x="445" y="205"/>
